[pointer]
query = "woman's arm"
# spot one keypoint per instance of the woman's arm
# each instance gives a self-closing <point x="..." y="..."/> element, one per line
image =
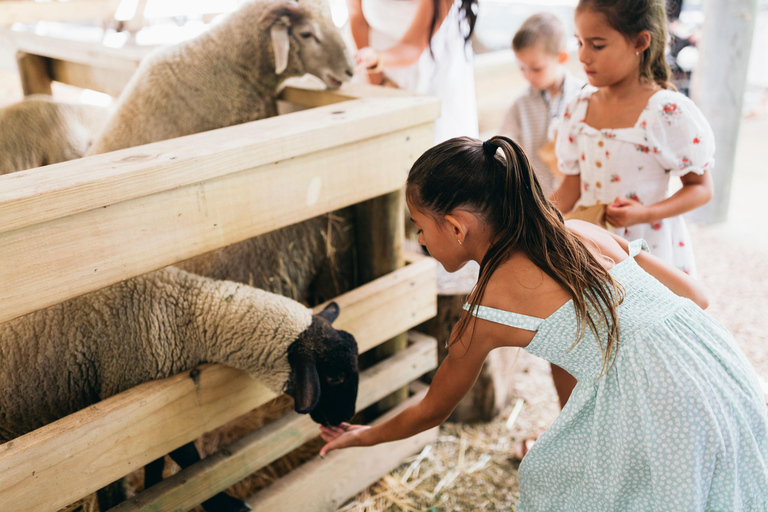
<point x="453" y="380"/>
<point x="357" y="23"/>
<point x="565" y="197"/>
<point x="697" y="190"/>
<point x="416" y="39"/>
<point x="676" y="280"/>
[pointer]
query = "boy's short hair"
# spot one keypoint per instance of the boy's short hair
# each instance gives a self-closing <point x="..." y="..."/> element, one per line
<point x="543" y="28"/>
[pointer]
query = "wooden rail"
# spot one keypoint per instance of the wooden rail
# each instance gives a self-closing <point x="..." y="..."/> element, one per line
<point x="324" y="485"/>
<point x="75" y="227"/>
<point x="140" y="209"/>
<point x="76" y="455"/>
<point x="219" y="471"/>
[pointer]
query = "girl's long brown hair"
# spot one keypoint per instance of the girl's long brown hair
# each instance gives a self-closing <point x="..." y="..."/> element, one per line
<point x="468" y="174"/>
<point x="629" y="18"/>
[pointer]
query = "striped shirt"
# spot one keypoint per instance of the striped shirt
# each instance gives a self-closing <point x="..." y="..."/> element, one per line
<point x="531" y="120"/>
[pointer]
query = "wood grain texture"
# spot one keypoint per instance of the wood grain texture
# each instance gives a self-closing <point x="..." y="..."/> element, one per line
<point x="72" y="457"/>
<point x="325" y="484"/>
<point x="219" y="471"/>
<point x="51" y="261"/>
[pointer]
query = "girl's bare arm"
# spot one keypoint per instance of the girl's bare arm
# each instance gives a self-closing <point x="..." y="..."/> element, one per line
<point x="565" y="197"/>
<point x="697" y="191"/>
<point x="357" y="23"/>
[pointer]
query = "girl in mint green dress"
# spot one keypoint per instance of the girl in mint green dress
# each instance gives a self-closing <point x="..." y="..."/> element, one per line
<point x="667" y="414"/>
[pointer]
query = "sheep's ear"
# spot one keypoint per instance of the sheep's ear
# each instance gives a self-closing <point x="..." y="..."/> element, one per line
<point x="281" y="43"/>
<point x="307" y="389"/>
<point x="331" y="312"/>
<point x="279" y="18"/>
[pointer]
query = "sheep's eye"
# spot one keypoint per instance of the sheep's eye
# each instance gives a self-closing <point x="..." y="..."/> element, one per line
<point x="335" y="381"/>
<point x="306" y="35"/>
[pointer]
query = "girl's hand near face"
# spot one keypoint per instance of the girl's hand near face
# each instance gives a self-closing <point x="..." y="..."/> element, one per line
<point x="367" y="58"/>
<point x="343" y="436"/>
<point x="624" y="212"/>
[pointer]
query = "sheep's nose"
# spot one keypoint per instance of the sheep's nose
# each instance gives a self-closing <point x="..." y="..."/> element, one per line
<point x="350" y="73"/>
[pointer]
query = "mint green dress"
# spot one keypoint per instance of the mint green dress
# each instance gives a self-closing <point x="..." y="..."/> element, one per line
<point x="677" y="424"/>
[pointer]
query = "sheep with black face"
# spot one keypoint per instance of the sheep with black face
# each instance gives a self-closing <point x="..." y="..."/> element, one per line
<point x="59" y="360"/>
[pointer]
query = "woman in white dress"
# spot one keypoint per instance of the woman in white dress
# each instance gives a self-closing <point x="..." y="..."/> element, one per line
<point x="422" y="46"/>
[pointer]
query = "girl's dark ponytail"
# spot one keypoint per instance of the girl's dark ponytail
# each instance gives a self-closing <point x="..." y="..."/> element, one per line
<point x="501" y="188"/>
<point x="467" y="10"/>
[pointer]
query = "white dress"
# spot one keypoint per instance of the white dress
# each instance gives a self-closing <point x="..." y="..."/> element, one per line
<point x="449" y="75"/>
<point x="671" y="138"/>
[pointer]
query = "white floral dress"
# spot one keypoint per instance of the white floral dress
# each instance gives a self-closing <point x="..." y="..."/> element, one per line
<point x="670" y="138"/>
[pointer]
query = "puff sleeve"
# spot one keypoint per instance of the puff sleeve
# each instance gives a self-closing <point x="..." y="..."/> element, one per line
<point x="680" y="135"/>
<point x="567" y="144"/>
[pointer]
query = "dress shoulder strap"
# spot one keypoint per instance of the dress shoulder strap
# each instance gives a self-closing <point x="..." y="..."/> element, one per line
<point x="528" y="323"/>
<point x="635" y="246"/>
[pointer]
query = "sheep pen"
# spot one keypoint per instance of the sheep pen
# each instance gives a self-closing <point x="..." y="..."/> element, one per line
<point x="213" y="185"/>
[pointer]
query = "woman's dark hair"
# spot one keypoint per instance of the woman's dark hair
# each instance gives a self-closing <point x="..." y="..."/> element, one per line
<point x="465" y="173"/>
<point x="629" y="18"/>
<point x="468" y="10"/>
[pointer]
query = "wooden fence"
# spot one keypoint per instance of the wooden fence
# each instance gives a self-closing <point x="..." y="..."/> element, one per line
<point x="71" y="228"/>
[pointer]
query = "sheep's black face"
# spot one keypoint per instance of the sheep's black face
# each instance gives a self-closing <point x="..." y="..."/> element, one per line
<point x="324" y="375"/>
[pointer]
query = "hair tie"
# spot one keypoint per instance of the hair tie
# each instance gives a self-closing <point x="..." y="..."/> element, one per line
<point x="490" y="148"/>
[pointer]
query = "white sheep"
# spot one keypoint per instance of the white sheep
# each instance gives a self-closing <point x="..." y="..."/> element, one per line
<point x="39" y="131"/>
<point x="170" y="321"/>
<point x="228" y="75"/>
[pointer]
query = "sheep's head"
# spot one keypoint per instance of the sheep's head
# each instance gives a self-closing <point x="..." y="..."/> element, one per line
<point x="324" y="374"/>
<point x="309" y="28"/>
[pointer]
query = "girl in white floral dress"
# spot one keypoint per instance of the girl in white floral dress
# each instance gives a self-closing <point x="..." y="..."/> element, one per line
<point x="627" y="132"/>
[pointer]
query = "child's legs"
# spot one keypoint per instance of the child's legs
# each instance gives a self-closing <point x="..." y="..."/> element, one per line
<point x="564" y="383"/>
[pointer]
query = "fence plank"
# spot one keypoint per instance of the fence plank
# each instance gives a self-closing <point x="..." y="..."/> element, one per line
<point x="43" y="265"/>
<point x="217" y="472"/>
<point x="324" y="485"/>
<point x="46" y="193"/>
<point x="72" y="457"/>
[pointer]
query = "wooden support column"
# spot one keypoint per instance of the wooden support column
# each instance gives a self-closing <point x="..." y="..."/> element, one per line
<point x="35" y="74"/>
<point x="380" y="237"/>
<point x="718" y="85"/>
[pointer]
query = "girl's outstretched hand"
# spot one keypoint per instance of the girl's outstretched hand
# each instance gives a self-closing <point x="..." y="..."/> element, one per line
<point x="343" y="436"/>
<point x="624" y="212"/>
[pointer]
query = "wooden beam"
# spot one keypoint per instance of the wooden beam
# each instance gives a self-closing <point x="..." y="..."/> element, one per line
<point x="76" y="455"/>
<point x="249" y="454"/>
<point x="325" y="484"/>
<point x="380" y="227"/>
<point x="137" y="230"/>
<point x="26" y="11"/>
<point x="35" y="74"/>
<point x="108" y="81"/>
<point x="94" y="55"/>
<point x="310" y="94"/>
<point x="38" y="195"/>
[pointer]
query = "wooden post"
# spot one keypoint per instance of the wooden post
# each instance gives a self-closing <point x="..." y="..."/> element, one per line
<point x="34" y="73"/>
<point x="717" y="86"/>
<point x="380" y="236"/>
